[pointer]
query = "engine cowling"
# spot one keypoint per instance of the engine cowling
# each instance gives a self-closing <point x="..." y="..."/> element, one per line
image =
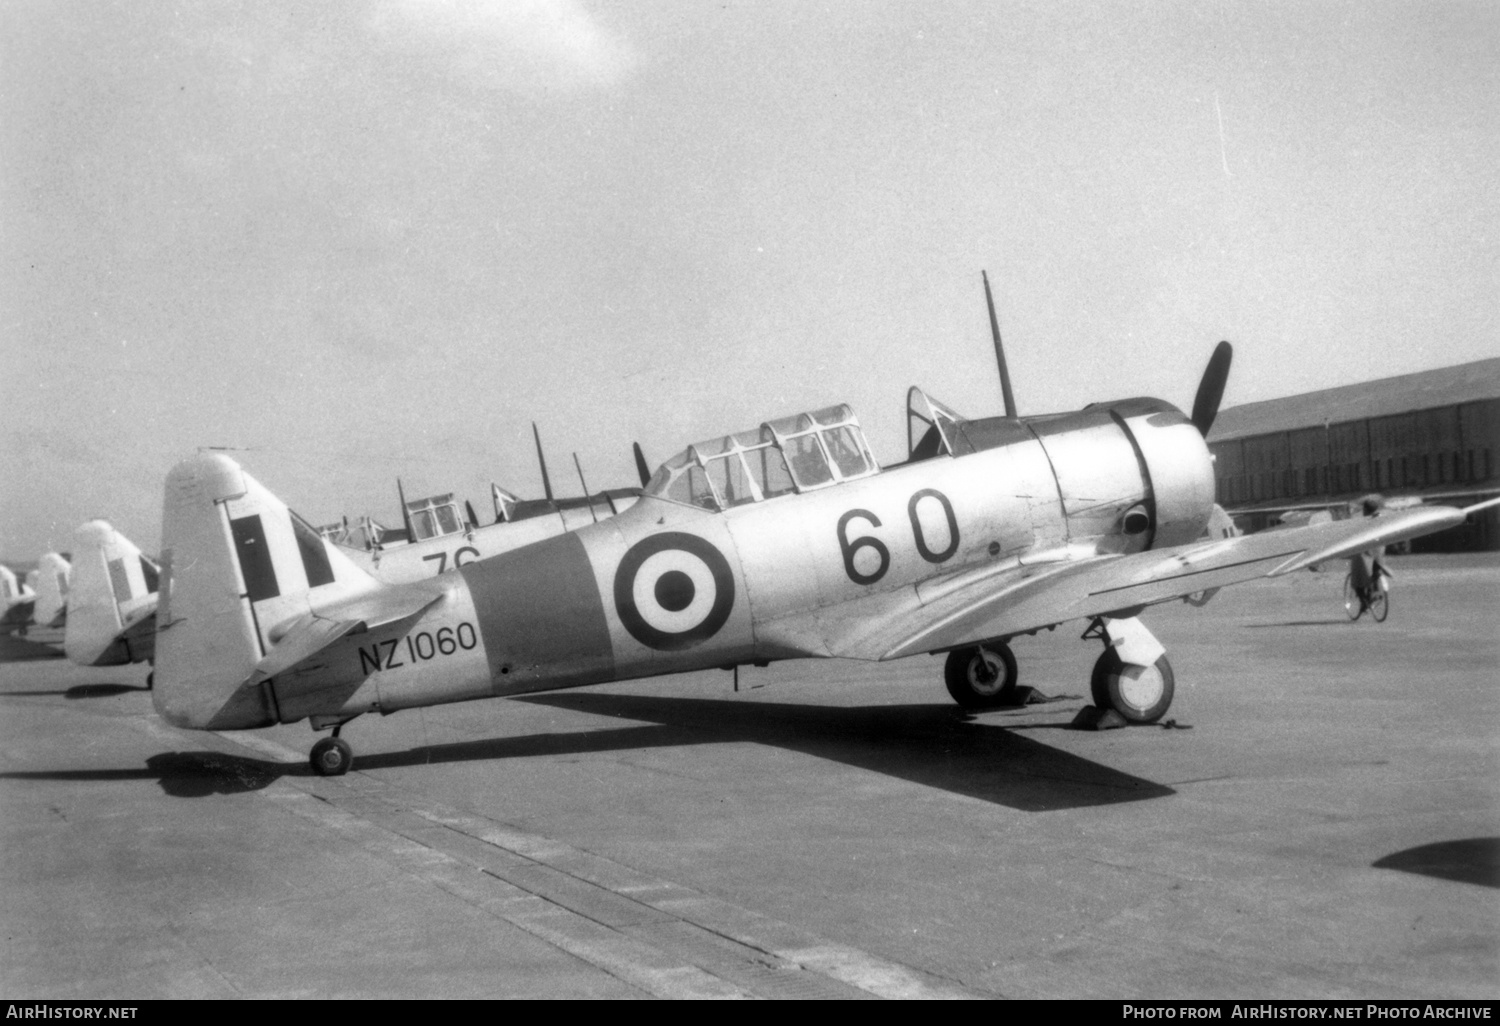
<point x="1133" y="474"/>
<point x="1179" y="468"/>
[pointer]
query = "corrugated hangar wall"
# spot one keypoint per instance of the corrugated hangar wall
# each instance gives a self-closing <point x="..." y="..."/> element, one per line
<point x="1394" y="436"/>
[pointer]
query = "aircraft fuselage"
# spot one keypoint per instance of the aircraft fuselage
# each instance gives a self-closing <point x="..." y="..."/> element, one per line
<point x="668" y="587"/>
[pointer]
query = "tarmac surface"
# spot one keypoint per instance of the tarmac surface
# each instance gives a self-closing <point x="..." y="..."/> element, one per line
<point x="1329" y="827"/>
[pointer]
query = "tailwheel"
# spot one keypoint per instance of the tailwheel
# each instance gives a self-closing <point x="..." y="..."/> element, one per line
<point x="1141" y="694"/>
<point x="331" y="757"/>
<point x="981" y="676"/>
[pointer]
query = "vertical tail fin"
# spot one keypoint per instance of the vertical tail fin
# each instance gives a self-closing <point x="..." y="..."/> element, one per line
<point x="112" y="596"/>
<point x="53" y="578"/>
<point x="16" y="599"/>
<point x="238" y="565"/>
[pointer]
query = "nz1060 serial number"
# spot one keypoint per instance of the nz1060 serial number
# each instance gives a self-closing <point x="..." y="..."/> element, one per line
<point x="417" y="648"/>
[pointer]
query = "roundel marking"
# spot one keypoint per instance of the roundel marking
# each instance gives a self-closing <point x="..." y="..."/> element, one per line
<point x="673" y="590"/>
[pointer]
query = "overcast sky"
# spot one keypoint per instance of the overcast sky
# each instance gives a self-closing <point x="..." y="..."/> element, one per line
<point x="364" y="238"/>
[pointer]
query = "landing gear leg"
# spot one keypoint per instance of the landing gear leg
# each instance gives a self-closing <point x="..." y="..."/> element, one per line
<point x="1133" y="676"/>
<point x="332" y="756"/>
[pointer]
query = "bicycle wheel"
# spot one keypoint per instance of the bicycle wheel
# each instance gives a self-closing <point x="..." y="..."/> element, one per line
<point x="1352" y="605"/>
<point x="1380" y="604"/>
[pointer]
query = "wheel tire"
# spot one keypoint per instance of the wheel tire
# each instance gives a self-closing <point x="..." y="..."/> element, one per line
<point x="981" y="676"/>
<point x="1352" y="605"/>
<point x="150" y="680"/>
<point x="1380" y="604"/>
<point x="1141" y="694"/>
<point x="331" y="757"/>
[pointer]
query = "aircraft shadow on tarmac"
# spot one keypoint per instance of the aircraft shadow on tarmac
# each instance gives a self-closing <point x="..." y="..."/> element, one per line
<point x="1474" y="860"/>
<point x="926" y="744"/>
<point x="1342" y="621"/>
<point x="80" y="691"/>
<point x="184" y="774"/>
<point x="930" y="744"/>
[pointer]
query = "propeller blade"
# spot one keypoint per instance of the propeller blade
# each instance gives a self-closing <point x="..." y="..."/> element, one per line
<point x="469" y="509"/>
<point x="989" y="300"/>
<point x="1211" y="388"/>
<point x="640" y="464"/>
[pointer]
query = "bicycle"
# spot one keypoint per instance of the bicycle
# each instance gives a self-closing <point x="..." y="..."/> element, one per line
<point x="1374" y="596"/>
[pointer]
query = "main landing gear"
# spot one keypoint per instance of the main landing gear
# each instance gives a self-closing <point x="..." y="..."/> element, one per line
<point x="981" y="676"/>
<point x="332" y="756"/>
<point x="1132" y="677"/>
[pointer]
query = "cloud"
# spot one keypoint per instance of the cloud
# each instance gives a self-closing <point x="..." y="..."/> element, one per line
<point x="528" y="46"/>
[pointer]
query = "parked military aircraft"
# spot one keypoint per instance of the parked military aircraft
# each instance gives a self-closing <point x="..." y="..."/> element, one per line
<point x="437" y="535"/>
<point x="112" y="600"/>
<point x="16" y="600"/>
<point x="785" y="541"/>
<point x="53" y="578"/>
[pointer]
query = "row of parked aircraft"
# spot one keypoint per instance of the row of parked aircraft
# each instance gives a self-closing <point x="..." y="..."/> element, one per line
<point x="103" y="595"/>
<point x="787" y="540"/>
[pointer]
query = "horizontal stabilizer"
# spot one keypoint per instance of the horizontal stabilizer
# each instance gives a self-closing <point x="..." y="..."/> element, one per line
<point x="307" y="638"/>
<point x="308" y="635"/>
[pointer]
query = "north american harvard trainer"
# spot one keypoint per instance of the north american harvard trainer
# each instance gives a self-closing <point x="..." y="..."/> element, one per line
<point x="784" y="541"/>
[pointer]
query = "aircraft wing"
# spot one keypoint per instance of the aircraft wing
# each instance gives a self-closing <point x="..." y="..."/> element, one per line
<point x="307" y="635"/>
<point x="1070" y="584"/>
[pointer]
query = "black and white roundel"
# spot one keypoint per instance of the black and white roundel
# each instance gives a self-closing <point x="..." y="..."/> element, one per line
<point x="673" y="590"/>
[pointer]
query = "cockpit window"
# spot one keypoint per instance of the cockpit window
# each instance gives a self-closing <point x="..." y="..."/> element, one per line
<point x="691" y="488"/>
<point x="434" y="517"/>
<point x="801" y="453"/>
<point x="809" y="463"/>
<point x="846" y="451"/>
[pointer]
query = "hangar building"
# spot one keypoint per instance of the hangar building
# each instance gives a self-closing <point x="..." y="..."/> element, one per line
<point x="1433" y="436"/>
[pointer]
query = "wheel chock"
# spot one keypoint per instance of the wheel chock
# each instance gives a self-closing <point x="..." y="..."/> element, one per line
<point x="1031" y="696"/>
<point x="1093" y="718"/>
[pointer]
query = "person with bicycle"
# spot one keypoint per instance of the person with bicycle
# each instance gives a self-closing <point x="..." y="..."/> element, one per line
<point x="1367" y="582"/>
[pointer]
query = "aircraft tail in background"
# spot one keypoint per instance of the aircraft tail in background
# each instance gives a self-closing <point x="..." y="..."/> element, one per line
<point x="112" y="596"/>
<point x="53" y="580"/>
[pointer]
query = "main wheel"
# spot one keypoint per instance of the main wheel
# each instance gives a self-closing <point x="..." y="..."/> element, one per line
<point x="981" y="676"/>
<point x="1352" y="604"/>
<point x="150" y="680"/>
<point x="1141" y="694"/>
<point x="331" y="757"/>
<point x="1380" y="603"/>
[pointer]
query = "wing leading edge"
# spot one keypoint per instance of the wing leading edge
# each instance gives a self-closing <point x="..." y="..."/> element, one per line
<point x="1071" y="584"/>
